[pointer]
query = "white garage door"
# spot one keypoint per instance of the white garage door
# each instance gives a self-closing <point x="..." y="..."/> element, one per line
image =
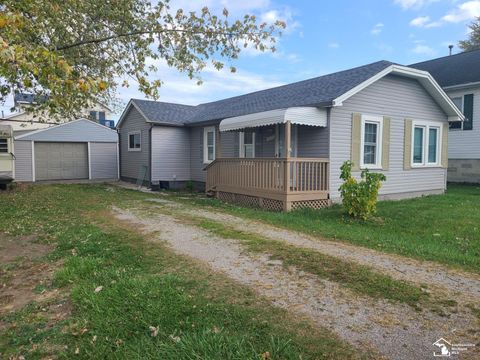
<point x="61" y="161"/>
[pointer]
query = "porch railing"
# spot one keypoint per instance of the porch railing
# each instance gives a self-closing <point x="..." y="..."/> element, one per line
<point x="269" y="175"/>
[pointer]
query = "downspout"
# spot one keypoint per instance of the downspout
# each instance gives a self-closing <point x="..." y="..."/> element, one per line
<point x="119" y="154"/>
<point x="150" y="154"/>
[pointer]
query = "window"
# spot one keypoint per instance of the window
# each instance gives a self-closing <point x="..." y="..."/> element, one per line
<point x="3" y="146"/>
<point x="371" y="147"/>
<point x="418" y="140"/>
<point x="458" y="101"/>
<point x="97" y="115"/>
<point x="426" y="144"/>
<point x="465" y="104"/>
<point x="134" y="141"/>
<point x="208" y="144"/>
<point x="432" y="145"/>
<point x="247" y="144"/>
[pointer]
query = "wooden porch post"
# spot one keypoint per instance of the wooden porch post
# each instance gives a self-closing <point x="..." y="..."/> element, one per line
<point x="287" y="205"/>
<point x="218" y="143"/>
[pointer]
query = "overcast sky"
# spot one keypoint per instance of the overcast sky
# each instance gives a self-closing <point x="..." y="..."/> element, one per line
<point x="323" y="37"/>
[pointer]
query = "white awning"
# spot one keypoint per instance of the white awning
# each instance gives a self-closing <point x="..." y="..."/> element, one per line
<point x="296" y="115"/>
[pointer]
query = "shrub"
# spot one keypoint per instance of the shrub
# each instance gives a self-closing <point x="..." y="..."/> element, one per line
<point x="189" y="185"/>
<point x="359" y="198"/>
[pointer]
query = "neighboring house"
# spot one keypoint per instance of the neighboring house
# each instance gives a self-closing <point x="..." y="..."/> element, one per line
<point x="21" y="119"/>
<point x="77" y="150"/>
<point x="282" y="148"/>
<point x="459" y="75"/>
<point x="6" y="155"/>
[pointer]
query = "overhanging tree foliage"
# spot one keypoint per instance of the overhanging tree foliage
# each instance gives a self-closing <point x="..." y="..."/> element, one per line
<point x="75" y="51"/>
<point x="473" y="42"/>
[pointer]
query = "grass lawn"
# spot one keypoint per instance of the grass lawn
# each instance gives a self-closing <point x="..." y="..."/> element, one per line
<point x="132" y="299"/>
<point x="441" y="228"/>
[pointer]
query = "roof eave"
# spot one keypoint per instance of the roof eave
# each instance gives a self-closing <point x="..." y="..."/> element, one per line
<point x="131" y="102"/>
<point x="159" y="123"/>
<point x="424" y="77"/>
<point x="462" y="86"/>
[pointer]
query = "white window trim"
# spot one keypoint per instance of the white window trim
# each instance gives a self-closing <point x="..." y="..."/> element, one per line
<point x="206" y="130"/>
<point x="462" y="97"/>
<point x="242" y="144"/>
<point x="128" y="144"/>
<point x="373" y="119"/>
<point x="427" y="125"/>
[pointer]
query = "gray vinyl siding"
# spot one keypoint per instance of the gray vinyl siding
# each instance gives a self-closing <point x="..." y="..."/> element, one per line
<point x="132" y="161"/>
<point x="465" y="144"/>
<point x="23" y="160"/>
<point x="103" y="161"/>
<point x="229" y="148"/>
<point x="75" y="131"/>
<point x="196" y="154"/>
<point x="170" y="154"/>
<point x="229" y="144"/>
<point x="312" y="141"/>
<point x="398" y="98"/>
<point x="264" y="142"/>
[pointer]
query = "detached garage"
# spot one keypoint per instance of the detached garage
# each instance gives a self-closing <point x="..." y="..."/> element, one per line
<point x="77" y="150"/>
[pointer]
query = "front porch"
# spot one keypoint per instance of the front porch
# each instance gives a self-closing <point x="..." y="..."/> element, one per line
<point x="280" y="180"/>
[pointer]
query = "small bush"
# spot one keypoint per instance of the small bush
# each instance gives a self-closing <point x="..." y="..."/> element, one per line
<point x="359" y="198"/>
<point x="189" y="186"/>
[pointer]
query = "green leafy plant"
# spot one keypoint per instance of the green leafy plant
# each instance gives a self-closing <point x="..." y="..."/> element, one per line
<point x="359" y="198"/>
<point x="190" y="186"/>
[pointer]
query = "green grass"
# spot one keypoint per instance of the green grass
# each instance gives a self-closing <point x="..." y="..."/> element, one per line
<point x="199" y="315"/>
<point x="441" y="228"/>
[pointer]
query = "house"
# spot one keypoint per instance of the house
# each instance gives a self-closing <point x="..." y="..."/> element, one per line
<point x="282" y="148"/>
<point x="6" y="155"/>
<point x="459" y="75"/>
<point x="76" y="150"/>
<point x="21" y="119"/>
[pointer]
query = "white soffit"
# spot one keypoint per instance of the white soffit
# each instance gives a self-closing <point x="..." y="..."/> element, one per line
<point x="311" y="116"/>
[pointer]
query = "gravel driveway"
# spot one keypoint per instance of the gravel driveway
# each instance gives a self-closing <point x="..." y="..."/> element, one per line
<point x="391" y="330"/>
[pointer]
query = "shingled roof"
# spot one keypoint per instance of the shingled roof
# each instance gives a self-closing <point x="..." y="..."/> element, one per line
<point x="458" y="69"/>
<point x="319" y="91"/>
<point x="163" y="112"/>
<point x="322" y="91"/>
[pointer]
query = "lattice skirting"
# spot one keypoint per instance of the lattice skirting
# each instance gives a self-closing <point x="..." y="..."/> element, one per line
<point x="270" y="204"/>
<point x="312" y="204"/>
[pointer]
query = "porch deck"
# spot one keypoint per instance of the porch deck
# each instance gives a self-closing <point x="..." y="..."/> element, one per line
<point x="272" y="183"/>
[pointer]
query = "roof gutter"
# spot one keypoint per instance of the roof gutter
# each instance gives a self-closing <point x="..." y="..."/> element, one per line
<point x="462" y="86"/>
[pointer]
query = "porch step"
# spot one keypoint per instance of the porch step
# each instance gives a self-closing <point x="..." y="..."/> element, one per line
<point x="210" y="192"/>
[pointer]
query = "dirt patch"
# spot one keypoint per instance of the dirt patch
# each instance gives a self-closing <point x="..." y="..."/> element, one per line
<point x="21" y="247"/>
<point x="22" y="278"/>
<point x="394" y="330"/>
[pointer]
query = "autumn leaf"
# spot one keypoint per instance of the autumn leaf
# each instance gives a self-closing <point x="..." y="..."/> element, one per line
<point x="153" y="331"/>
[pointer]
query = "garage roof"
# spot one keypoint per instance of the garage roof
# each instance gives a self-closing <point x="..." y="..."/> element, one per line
<point x="81" y="130"/>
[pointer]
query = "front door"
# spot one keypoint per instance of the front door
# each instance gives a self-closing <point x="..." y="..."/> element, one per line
<point x="280" y="141"/>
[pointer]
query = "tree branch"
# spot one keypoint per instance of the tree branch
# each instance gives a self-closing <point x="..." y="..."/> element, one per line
<point x="138" y="32"/>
